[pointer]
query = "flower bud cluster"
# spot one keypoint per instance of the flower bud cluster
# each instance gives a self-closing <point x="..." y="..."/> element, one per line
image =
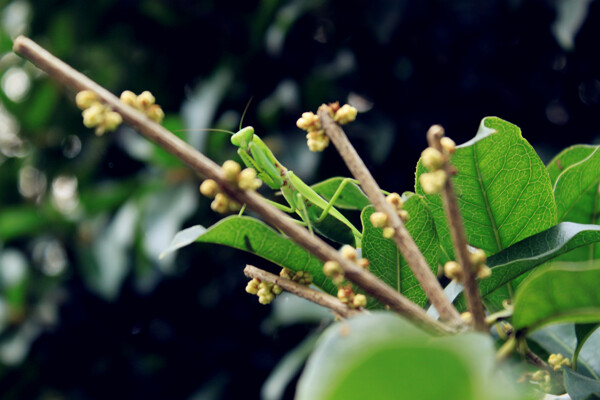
<point x="433" y="160"/>
<point x="333" y="270"/>
<point x="145" y="102"/>
<point x="557" y="361"/>
<point x="381" y="220"/>
<point x="454" y="271"/>
<point x="244" y="179"/>
<point x="266" y="291"/>
<point x="317" y="140"/>
<point x="302" y="277"/>
<point x="97" y="115"/>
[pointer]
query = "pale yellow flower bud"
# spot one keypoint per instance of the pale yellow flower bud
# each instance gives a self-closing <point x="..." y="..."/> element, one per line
<point x="112" y="120"/>
<point x="220" y="204"/>
<point x="155" y="113"/>
<point x="342" y="296"/>
<point x="433" y="182"/>
<point x="231" y="169"/>
<point x="404" y="215"/>
<point x="348" y="252"/>
<point x="332" y="268"/>
<point x="308" y="121"/>
<point x="363" y="263"/>
<point x="432" y="159"/>
<point x="448" y="145"/>
<point x="360" y="300"/>
<point x="467" y="317"/>
<point x="130" y="98"/>
<point x="317" y="145"/>
<point x="453" y="270"/>
<point x="478" y="258"/>
<point x="93" y="115"/>
<point x="345" y="114"/>
<point x="484" y="272"/>
<point x="247" y="179"/>
<point x="85" y="99"/>
<point x="396" y="200"/>
<point x="252" y="286"/>
<point x="285" y="273"/>
<point x="276" y="290"/>
<point x="378" y="219"/>
<point x="145" y="99"/>
<point x="209" y="188"/>
<point x="388" y="232"/>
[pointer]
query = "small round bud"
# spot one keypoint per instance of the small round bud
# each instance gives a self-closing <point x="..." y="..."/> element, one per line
<point x="539" y="375"/>
<point x="231" y="169"/>
<point x="266" y="299"/>
<point x="345" y="114"/>
<point x="467" y="317"/>
<point x="378" y="219"/>
<point x="388" y="232"/>
<point x="234" y="206"/>
<point x="277" y="290"/>
<point x="448" y="145"/>
<point x="145" y="99"/>
<point x="432" y="159"/>
<point x="557" y="360"/>
<point x="338" y="279"/>
<point x="308" y="121"/>
<point x="342" y="296"/>
<point x="332" y="268"/>
<point x="433" y="182"/>
<point x="155" y="113"/>
<point x="360" y="300"/>
<point x="252" y="286"/>
<point x="404" y="215"/>
<point x="395" y="199"/>
<point x="129" y="98"/>
<point x="220" y="204"/>
<point x="348" y="252"/>
<point x="85" y="99"/>
<point x="363" y="263"/>
<point x="209" y="188"/>
<point x="247" y="179"/>
<point x="484" y="272"/>
<point x="435" y="131"/>
<point x="112" y="120"/>
<point x="262" y="291"/>
<point x="478" y="258"/>
<point x="93" y="115"/>
<point x="285" y="273"/>
<point x="318" y="145"/>
<point x="453" y="270"/>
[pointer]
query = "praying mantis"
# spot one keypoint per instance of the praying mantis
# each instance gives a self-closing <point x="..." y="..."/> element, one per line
<point x="315" y="212"/>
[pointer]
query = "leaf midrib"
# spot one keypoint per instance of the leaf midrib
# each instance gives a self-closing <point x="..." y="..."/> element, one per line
<point x="485" y="199"/>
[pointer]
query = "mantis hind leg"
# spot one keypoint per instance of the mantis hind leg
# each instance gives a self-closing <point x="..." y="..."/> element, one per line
<point x="304" y="212"/>
<point x="334" y="198"/>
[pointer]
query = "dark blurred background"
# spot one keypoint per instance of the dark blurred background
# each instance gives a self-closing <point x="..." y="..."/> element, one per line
<point x="87" y="311"/>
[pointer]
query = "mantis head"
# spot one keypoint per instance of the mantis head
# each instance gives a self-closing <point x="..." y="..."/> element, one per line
<point x="243" y="137"/>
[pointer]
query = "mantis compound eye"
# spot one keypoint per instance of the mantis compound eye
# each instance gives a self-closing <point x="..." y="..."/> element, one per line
<point x="243" y="137"/>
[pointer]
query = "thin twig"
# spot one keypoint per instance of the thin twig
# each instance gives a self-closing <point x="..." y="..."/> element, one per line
<point x="459" y="239"/>
<point x="68" y="76"/>
<point x="321" y="298"/>
<point x="404" y="241"/>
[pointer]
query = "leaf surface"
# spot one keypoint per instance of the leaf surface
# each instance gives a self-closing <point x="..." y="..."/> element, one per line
<point x="387" y="263"/>
<point x="566" y="158"/>
<point x="559" y="293"/>
<point x="503" y="189"/>
<point x="581" y="387"/>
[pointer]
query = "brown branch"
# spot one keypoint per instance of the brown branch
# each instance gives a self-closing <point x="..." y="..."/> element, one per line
<point x="404" y="241"/>
<point x="459" y="239"/>
<point x="68" y="76"/>
<point x="320" y="298"/>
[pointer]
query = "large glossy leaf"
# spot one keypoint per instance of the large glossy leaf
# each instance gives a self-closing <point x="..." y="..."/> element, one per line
<point x="532" y="252"/>
<point x="577" y="198"/>
<point x="582" y="332"/>
<point x="503" y="189"/>
<point x="560" y="338"/>
<point x="253" y="236"/>
<point x="381" y="356"/>
<point x="386" y="261"/>
<point x="566" y="158"/>
<point x="581" y="387"/>
<point x="351" y="198"/>
<point x="559" y="293"/>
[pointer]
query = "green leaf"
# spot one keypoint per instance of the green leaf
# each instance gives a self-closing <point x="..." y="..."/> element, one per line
<point x="253" y="236"/>
<point x="581" y="387"/>
<point x="576" y="194"/>
<point x="386" y="262"/>
<point x="381" y="356"/>
<point x="560" y="338"/>
<point x="503" y="189"/>
<point x="351" y="198"/>
<point x="566" y="158"/>
<point x="582" y="332"/>
<point x="533" y="251"/>
<point x="560" y="293"/>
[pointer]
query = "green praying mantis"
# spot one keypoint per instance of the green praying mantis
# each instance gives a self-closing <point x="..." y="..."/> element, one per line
<point x="316" y="212"/>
